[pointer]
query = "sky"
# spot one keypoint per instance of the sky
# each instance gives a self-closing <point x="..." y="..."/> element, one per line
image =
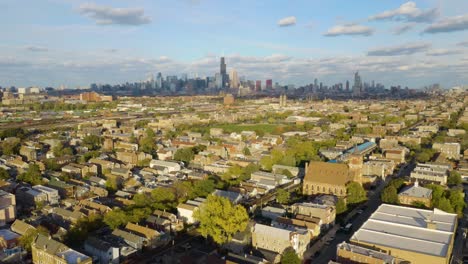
<point x="76" y="43"/>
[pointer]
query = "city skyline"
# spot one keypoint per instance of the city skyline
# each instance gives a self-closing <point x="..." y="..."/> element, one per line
<point x="76" y="43"/>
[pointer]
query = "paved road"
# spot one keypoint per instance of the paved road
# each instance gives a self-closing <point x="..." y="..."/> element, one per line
<point x="460" y="240"/>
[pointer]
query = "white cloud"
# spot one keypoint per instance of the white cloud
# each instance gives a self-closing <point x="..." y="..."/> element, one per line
<point x="287" y="21"/>
<point x="349" y="29"/>
<point x="450" y="24"/>
<point x="106" y="15"/>
<point x="408" y="12"/>
<point x="402" y="29"/>
<point x="443" y="52"/>
<point x="406" y="49"/>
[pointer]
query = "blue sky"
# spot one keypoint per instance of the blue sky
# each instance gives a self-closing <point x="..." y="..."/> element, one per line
<point x="75" y="43"/>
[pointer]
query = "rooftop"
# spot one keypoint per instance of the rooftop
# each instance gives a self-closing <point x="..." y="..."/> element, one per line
<point x="412" y="229"/>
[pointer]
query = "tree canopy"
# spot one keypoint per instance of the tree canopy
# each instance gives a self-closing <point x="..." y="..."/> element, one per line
<point x="289" y="256"/>
<point x="32" y="175"/>
<point x="356" y="193"/>
<point x="341" y="206"/>
<point x="282" y="196"/>
<point x="220" y="219"/>
<point x="454" y="178"/>
<point x="92" y="142"/>
<point x="390" y="195"/>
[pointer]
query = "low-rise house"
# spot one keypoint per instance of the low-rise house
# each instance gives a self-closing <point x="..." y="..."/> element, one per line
<point x="135" y="241"/>
<point x="278" y="239"/>
<point x="28" y="152"/>
<point x="273" y="212"/>
<point x="170" y="166"/>
<point x="153" y="237"/>
<point x="72" y="168"/>
<point x="7" y="207"/>
<point x="65" y="190"/>
<point x="47" y="250"/>
<point x="9" y="243"/>
<point x="415" y="194"/>
<point x="21" y="227"/>
<point x="66" y="217"/>
<point x="89" y="207"/>
<point x="281" y="168"/>
<point x="185" y="210"/>
<point x="325" y="213"/>
<point x="234" y="197"/>
<point x="164" y="221"/>
<point x="312" y="224"/>
<point x="270" y="180"/>
<point x="397" y="155"/>
<point x="101" y="251"/>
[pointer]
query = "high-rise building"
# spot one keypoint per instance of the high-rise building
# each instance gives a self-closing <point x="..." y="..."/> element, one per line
<point x="258" y="85"/>
<point x="159" y="81"/>
<point x="269" y="84"/>
<point x="234" y="79"/>
<point x="357" y="88"/>
<point x="222" y="71"/>
<point x="347" y="85"/>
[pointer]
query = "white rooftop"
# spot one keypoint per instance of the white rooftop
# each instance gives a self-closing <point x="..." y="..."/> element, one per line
<point x="406" y="228"/>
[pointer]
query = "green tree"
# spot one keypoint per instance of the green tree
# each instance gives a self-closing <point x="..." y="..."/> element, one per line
<point x="289" y="256"/>
<point x="51" y="164"/>
<point x="457" y="201"/>
<point x="454" y="178"/>
<point x="92" y="142"/>
<point x="444" y="205"/>
<point x="77" y="235"/>
<point x="437" y="194"/>
<point x="220" y="219"/>
<point x="11" y="146"/>
<point x="148" y="143"/>
<point x="356" y="193"/>
<point x="282" y="196"/>
<point x="4" y="175"/>
<point x="390" y="195"/>
<point x="203" y="188"/>
<point x="115" y="218"/>
<point x="184" y="154"/>
<point x="163" y="198"/>
<point x="397" y="183"/>
<point x="13" y="132"/>
<point x="32" y="175"/>
<point x="341" y="206"/>
<point x="246" y="151"/>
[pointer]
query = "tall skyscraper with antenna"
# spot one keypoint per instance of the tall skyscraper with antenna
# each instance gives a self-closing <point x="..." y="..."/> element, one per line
<point x="223" y="73"/>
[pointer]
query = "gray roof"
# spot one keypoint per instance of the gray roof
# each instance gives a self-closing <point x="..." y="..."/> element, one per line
<point x="97" y="243"/>
<point x="416" y="191"/>
<point x="407" y="229"/>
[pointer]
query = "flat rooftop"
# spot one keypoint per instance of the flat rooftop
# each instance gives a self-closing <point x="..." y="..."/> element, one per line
<point x="408" y="229"/>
